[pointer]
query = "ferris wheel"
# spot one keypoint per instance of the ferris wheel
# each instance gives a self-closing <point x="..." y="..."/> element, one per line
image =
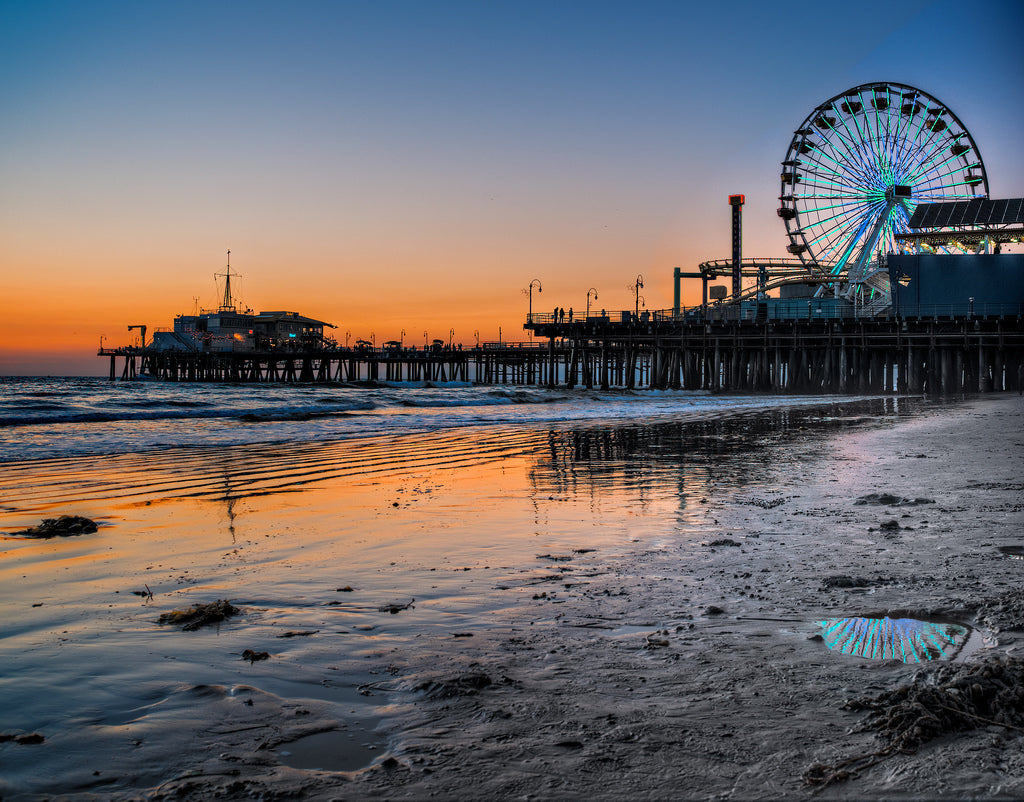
<point x="860" y="163"/>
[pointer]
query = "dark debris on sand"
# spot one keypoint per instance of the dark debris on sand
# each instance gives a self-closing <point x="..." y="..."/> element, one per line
<point x="28" y="739"/>
<point x="396" y="607"/>
<point x="63" y="526"/>
<point x="889" y="500"/>
<point x="844" y="581"/>
<point x="940" y="701"/>
<point x="200" y="615"/>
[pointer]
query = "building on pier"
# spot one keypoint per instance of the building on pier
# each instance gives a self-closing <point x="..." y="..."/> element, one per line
<point x="957" y="265"/>
<point x="233" y="329"/>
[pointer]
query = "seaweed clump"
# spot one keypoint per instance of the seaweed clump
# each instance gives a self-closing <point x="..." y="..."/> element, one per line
<point x="31" y="738"/>
<point x="946" y="700"/>
<point x="844" y="581"/>
<point x="200" y="615"/>
<point x="63" y="526"/>
<point x="890" y="500"/>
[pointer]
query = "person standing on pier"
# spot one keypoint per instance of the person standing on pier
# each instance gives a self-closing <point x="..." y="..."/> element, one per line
<point x="570" y="314"/>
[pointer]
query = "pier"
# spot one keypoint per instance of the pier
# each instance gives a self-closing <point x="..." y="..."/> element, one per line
<point x="876" y="355"/>
<point x="939" y="354"/>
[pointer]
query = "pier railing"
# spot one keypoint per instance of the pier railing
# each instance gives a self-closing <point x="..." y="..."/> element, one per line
<point x="786" y="310"/>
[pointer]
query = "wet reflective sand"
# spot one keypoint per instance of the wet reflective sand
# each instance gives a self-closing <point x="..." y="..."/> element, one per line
<point x="376" y="572"/>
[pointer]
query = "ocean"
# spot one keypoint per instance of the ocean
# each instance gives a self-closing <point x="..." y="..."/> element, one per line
<point x="46" y="418"/>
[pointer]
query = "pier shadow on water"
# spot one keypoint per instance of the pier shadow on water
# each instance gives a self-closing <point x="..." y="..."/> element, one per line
<point x="690" y="459"/>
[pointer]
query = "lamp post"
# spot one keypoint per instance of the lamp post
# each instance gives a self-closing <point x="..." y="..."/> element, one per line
<point x="348" y="334"/>
<point x="636" y="291"/>
<point x="424" y="339"/>
<point x="373" y="339"/>
<point x="477" y="335"/>
<point x="451" y="336"/>
<point x="401" y="340"/>
<point x="529" y="292"/>
<point x="590" y="292"/>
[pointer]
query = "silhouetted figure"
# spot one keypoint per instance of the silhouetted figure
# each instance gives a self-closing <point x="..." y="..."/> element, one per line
<point x="570" y="314"/>
<point x="561" y="315"/>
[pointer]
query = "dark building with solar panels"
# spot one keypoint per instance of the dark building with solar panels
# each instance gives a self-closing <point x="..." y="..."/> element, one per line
<point x="987" y="283"/>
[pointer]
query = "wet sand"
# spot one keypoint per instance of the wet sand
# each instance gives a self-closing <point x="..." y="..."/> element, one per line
<point x="605" y="612"/>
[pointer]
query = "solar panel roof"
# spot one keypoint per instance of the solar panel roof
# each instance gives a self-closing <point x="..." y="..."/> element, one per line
<point x="980" y="209"/>
<point x="1014" y="211"/>
<point x="920" y="215"/>
<point x="976" y="212"/>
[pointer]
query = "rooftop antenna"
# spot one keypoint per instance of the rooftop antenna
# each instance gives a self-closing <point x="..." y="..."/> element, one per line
<point x="226" y="304"/>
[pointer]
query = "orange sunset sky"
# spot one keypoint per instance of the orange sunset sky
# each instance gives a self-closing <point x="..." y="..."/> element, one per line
<point x="406" y="165"/>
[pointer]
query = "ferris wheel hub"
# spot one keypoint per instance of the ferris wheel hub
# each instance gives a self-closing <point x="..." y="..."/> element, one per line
<point x="897" y="191"/>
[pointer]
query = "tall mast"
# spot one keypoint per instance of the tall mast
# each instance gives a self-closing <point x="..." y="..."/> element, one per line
<point x="227" y="286"/>
<point x="226" y="304"/>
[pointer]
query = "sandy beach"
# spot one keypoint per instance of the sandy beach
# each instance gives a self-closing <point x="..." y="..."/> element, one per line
<point x="606" y="611"/>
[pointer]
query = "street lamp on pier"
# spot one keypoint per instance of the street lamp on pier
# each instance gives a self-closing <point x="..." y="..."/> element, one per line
<point x="348" y="334"/>
<point x="529" y="292"/>
<point x="477" y="335"/>
<point x="451" y="336"/>
<point x="636" y="291"/>
<point x="401" y="339"/>
<point x="590" y="292"/>
<point x="424" y="339"/>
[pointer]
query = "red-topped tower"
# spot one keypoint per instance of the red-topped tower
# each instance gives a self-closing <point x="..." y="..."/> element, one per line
<point x="736" y="201"/>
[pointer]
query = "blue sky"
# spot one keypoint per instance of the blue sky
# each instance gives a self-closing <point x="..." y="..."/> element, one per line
<point x="428" y="159"/>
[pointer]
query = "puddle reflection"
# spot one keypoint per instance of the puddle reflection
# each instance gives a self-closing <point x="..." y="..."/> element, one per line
<point x="907" y="639"/>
